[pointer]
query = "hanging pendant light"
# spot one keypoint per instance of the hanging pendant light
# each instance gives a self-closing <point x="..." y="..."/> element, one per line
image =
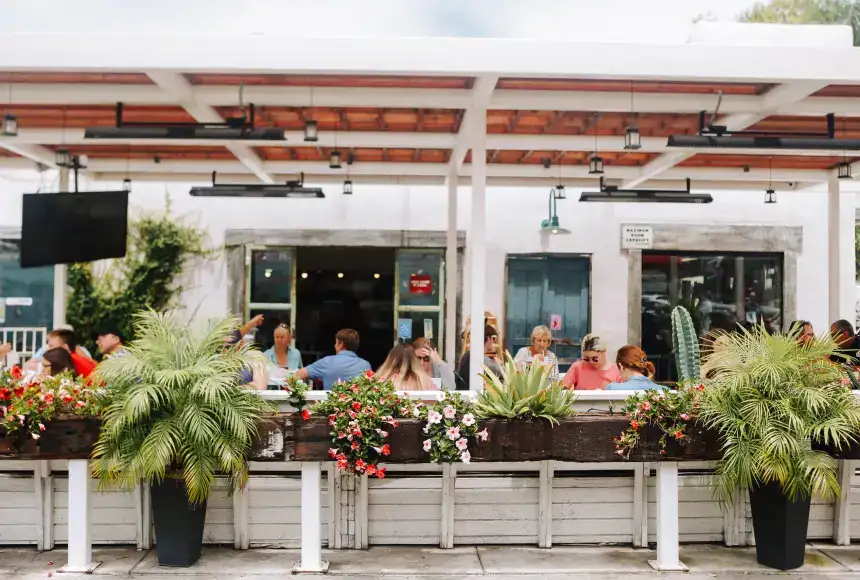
<point x="62" y="158"/>
<point x="770" y="196"/>
<point x="595" y="165"/>
<point x="559" y="192"/>
<point x="126" y="185"/>
<point x="10" y="125"/>
<point x="347" y="184"/>
<point x="843" y="171"/>
<point x="551" y="224"/>
<point x="632" y="139"/>
<point x="311" y="131"/>
<point x="334" y="159"/>
<point x="347" y="187"/>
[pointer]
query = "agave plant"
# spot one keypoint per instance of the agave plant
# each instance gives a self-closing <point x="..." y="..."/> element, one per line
<point x="771" y="398"/>
<point x="178" y="408"/>
<point x="523" y="393"/>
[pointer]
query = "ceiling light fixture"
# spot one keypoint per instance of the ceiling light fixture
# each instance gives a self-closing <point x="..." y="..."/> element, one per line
<point x="632" y="140"/>
<point x="843" y="171"/>
<point x="595" y="165"/>
<point x="347" y="184"/>
<point x="559" y="192"/>
<point x="10" y="126"/>
<point x="234" y="128"/>
<point x="334" y="159"/>
<point x="770" y="194"/>
<point x="551" y="224"/>
<point x="294" y="188"/>
<point x="612" y="193"/>
<point x="126" y="185"/>
<point x="311" y="131"/>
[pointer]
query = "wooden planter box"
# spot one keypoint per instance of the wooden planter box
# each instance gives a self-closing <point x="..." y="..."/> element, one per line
<point x="585" y="438"/>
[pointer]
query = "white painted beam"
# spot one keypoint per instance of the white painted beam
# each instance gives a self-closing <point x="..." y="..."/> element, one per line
<point x="772" y="102"/>
<point x="837" y="63"/>
<point x="482" y="91"/>
<point x="274" y="96"/>
<point x="176" y="86"/>
<point x="32" y="152"/>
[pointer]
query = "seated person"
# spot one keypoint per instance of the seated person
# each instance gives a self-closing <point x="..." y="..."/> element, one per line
<point x="33" y="363"/>
<point x="62" y="338"/>
<point x="592" y="371"/>
<point x="539" y="352"/>
<point x="490" y="346"/>
<point x="256" y="377"/>
<point x="636" y="371"/>
<point x="56" y="361"/>
<point x="283" y="354"/>
<point x="433" y="364"/>
<point x="110" y="342"/>
<point x="341" y="366"/>
<point x="848" y="351"/>
<point x="402" y="368"/>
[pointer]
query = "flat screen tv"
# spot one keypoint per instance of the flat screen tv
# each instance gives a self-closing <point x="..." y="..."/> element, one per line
<point x="65" y="228"/>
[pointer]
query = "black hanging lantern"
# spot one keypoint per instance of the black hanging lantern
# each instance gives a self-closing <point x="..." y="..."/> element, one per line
<point x="62" y="158"/>
<point x="10" y="125"/>
<point x="632" y="139"/>
<point x="334" y="159"/>
<point x="595" y="165"/>
<point x="126" y="185"/>
<point x="843" y="171"/>
<point x="311" y="131"/>
<point x="347" y="187"/>
<point x="770" y="196"/>
<point x="559" y="192"/>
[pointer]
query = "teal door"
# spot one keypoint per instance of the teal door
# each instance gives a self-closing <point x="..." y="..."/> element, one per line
<point x="547" y="289"/>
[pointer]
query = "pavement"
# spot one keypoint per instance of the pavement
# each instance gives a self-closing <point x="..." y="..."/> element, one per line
<point x="415" y="563"/>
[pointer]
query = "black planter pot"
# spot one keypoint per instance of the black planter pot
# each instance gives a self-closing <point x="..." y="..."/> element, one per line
<point x="780" y="527"/>
<point x="178" y="524"/>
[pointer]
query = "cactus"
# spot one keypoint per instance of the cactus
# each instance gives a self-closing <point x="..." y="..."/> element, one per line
<point x="686" y="345"/>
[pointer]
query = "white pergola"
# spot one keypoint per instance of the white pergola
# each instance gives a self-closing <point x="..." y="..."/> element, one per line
<point x="474" y="112"/>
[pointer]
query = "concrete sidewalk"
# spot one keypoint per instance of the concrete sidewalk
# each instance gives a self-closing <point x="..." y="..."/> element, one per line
<point x="405" y="563"/>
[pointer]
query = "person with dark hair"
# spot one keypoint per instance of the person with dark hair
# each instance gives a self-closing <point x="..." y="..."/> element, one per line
<point x="804" y="331"/>
<point x="110" y="341"/>
<point x="636" y="371"/>
<point x="491" y="337"/>
<point x="848" y="351"/>
<point x="56" y="361"/>
<point x="66" y="339"/>
<point x="344" y="365"/>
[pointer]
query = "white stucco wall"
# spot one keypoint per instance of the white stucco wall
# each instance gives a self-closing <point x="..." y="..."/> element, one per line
<point x="514" y="216"/>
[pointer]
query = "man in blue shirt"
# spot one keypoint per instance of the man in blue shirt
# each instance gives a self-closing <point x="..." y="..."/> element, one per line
<point x="341" y="366"/>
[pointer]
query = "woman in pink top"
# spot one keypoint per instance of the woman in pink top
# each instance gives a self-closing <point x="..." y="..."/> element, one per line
<point x="593" y="371"/>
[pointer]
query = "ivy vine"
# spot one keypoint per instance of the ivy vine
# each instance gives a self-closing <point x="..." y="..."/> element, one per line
<point x="160" y="248"/>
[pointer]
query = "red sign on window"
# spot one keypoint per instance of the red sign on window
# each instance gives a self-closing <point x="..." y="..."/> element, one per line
<point x="420" y="284"/>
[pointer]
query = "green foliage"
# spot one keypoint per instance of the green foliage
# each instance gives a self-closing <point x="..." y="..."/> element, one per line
<point x="159" y="250"/>
<point x="669" y="411"/>
<point x="770" y="398"/>
<point x="845" y="12"/>
<point x="857" y="253"/>
<point x="178" y="407"/>
<point x="523" y="393"/>
<point x="686" y="344"/>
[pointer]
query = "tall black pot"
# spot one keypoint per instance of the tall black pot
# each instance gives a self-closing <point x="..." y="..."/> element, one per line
<point x="780" y="527"/>
<point x="178" y="524"/>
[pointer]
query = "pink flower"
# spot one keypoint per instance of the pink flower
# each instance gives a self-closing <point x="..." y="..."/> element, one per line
<point x="449" y="412"/>
<point x="483" y="435"/>
<point x="620" y="452"/>
<point x="646" y="406"/>
<point x="462" y="444"/>
<point x="427" y="444"/>
<point x="332" y="452"/>
<point x="382" y="433"/>
<point x="41" y="427"/>
<point x="434" y="417"/>
<point x="468" y="419"/>
<point x="36" y="435"/>
<point x="465" y="457"/>
<point x="685" y="416"/>
<point x="454" y="433"/>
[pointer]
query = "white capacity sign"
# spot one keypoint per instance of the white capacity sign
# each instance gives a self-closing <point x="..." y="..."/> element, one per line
<point x="637" y="237"/>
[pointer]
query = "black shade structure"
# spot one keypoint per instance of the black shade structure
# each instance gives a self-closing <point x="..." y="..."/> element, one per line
<point x="289" y="189"/>
<point x="613" y="194"/>
<point x="234" y="128"/>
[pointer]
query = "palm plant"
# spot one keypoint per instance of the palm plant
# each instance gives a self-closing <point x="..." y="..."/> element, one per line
<point x="771" y="398"/>
<point x="523" y="393"/>
<point x="177" y="407"/>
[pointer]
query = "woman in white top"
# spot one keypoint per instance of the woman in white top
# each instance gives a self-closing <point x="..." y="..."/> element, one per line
<point x="539" y="351"/>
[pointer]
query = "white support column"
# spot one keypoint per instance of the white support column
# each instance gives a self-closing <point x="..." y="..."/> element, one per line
<point x="451" y="280"/>
<point x="478" y="243"/>
<point x="241" y="508"/>
<point x="362" y="521"/>
<point x="547" y="471"/>
<point x="311" y="520"/>
<point x="840" y="241"/>
<point x="668" y="558"/>
<point x="640" y="505"/>
<point x="80" y="541"/>
<point x="449" y="488"/>
<point x="60" y="269"/>
<point x="842" y="508"/>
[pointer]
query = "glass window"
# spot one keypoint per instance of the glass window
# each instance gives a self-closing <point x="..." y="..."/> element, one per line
<point x="719" y="291"/>
<point x="34" y="285"/>
<point x="546" y="288"/>
<point x="418" y="276"/>
<point x="271" y="276"/>
<point x="421" y="324"/>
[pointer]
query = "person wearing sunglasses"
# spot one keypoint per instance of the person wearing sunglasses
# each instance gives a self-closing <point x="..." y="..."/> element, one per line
<point x="441" y="372"/>
<point x="592" y="371"/>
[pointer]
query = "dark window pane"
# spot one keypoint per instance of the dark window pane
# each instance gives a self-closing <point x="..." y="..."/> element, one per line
<point x="16" y="282"/>
<point x="719" y="290"/>
<point x="418" y="278"/>
<point x="271" y="276"/>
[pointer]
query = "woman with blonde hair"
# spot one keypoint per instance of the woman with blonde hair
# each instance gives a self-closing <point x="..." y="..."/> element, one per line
<point x="592" y="371"/>
<point x="538" y="352"/>
<point x="636" y="370"/>
<point x="402" y="368"/>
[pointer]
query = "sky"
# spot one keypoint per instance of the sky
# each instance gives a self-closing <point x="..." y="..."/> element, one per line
<point x="575" y="20"/>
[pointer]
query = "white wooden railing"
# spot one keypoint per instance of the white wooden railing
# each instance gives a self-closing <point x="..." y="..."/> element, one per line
<point x="25" y="341"/>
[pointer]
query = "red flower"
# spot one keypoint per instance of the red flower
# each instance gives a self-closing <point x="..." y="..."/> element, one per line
<point x="341" y="435"/>
<point x="380" y="473"/>
<point x="356" y="432"/>
<point x="386" y="450"/>
<point x="5" y="394"/>
<point x="332" y="453"/>
<point x="342" y="464"/>
<point x="679" y="434"/>
<point x="354" y="445"/>
<point x="360" y="465"/>
<point x="306" y="414"/>
<point x="340" y="457"/>
<point x="371" y="470"/>
<point x="369" y="374"/>
<point x="354" y="388"/>
<point x="18" y="391"/>
<point x="16" y="372"/>
<point x="343" y="397"/>
<point x="646" y="406"/>
<point x="700" y="388"/>
<point x="356" y="405"/>
<point x="634" y="425"/>
<point x="49" y="398"/>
